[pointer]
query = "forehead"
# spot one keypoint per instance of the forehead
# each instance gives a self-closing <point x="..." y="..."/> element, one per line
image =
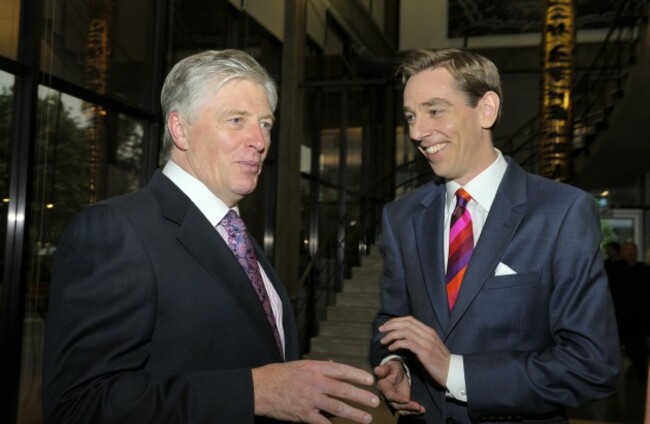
<point x="242" y="92"/>
<point x="430" y="83"/>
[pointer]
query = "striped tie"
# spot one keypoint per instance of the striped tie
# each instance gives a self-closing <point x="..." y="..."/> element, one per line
<point x="461" y="246"/>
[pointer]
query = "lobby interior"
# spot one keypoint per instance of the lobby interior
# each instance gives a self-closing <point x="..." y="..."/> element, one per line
<point x="79" y="90"/>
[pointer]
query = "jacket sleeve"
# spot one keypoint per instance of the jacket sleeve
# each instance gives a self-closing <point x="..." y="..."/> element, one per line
<point x="102" y="315"/>
<point x="394" y="295"/>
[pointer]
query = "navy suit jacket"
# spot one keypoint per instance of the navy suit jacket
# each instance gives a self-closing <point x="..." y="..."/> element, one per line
<point x="152" y="319"/>
<point x="534" y="342"/>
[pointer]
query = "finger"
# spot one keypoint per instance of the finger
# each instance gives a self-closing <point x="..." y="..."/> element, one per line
<point x="410" y="407"/>
<point x="391" y="394"/>
<point x="352" y="393"/>
<point x="345" y="372"/>
<point x="341" y="409"/>
<point x="315" y="417"/>
<point x="382" y="371"/>
<point x="395" y="323"/>
<point x="404" y="323"/>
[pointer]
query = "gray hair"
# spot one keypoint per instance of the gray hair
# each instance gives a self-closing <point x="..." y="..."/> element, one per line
<point x="206" y="72"/>
<point x="474" y="74"/>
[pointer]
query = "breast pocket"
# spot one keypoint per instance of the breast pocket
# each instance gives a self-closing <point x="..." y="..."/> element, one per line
<point x="500" y="309"/>
<point x="512" y="280"/>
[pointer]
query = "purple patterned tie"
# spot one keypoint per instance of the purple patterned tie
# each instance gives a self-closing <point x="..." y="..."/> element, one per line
<point x="240" y="244"/>
<point x="461" y="245"/>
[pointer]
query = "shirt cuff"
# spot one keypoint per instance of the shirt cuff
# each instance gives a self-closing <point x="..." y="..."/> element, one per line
<point x="456" y="379"/>
<point x="401" y="360"/>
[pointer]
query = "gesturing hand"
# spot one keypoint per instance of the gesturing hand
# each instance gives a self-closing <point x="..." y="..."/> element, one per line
<point x="393" y="384"/>
<point x="410" y="334"/>
<point x="310" y="391"/>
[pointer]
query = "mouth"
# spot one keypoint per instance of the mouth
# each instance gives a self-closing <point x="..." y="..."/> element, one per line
<point x="435" y="148"/>
<point x="252" y="165"/>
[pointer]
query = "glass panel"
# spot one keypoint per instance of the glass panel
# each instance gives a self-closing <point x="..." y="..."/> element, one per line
<point x="198" y="25"/>
<point x="103" y="45"/>
<point x="330" y="136"/>
<point x="6" y="108"/>
<point x="328" y="221"/>
<point x="623" y="225"/>
<point x="83" y="153"/>
<point x="329" y="158"/>
<point x="9" y="25"/>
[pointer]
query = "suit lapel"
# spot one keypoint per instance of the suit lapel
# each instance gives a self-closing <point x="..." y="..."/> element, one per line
<point x="506" y="213"/>
<point x="203" y="242"/>
<point x="429" y="230"/>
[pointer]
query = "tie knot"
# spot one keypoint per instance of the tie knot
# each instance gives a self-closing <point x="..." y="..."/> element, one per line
<point x="233" y="223"/>
<point x="462" y="198"/>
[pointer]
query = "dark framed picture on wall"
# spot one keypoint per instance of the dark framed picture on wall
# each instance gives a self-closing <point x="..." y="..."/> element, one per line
<point x="474" y="18"/>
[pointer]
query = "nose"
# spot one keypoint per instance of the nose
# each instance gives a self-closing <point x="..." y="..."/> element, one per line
<point x="419" y="129"/>
<point x="258" y="138"/>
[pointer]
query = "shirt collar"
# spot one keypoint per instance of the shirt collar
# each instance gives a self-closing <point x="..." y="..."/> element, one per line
<point x="210" y="205"/>
<point x="483" y="187"/>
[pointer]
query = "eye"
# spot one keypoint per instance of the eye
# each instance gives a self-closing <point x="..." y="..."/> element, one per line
<point x="434" y="112"/>
<point x="267" y="125"/>
<point x="409" y="118"/>
<point x="236" y="120"/>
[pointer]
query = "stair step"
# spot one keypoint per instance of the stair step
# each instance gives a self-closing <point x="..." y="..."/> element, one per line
<point x="369" y="300"/>
<point x="350" y="330"/>
<point x="366" y="277"/>
<point x="353" y="361"/>
<point x="334" y="346"/>
<point x="360" y="286"/>
<point x="351" y="314"/>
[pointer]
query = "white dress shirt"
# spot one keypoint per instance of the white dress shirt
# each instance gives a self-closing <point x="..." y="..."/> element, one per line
<point x="215" y="210"/>
<point x="483" y="189"/>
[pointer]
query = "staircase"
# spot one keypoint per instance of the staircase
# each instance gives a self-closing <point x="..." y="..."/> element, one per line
<point x="344" y="336"/>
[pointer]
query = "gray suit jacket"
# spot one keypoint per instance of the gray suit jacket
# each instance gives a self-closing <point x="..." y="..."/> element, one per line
<point x="152" y="319"/>
<point x="534" y="342"/>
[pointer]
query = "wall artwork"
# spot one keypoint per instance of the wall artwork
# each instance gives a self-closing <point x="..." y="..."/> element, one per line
<point x="472" y="18"/>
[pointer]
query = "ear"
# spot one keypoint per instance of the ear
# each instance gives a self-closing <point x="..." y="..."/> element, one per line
<point x="489" y="109"/>
<point x="177" y="128"/>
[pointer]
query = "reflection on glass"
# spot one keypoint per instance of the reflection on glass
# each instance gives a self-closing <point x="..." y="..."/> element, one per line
<point x="83" y="153"/>
<point x="6" y="107"/>
<point x="85" y="45"/>
<point x="9" y="23"/>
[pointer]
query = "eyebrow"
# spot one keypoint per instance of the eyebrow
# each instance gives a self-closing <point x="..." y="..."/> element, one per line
<point x="434" y="101"/>
<point x="229" y="112"/>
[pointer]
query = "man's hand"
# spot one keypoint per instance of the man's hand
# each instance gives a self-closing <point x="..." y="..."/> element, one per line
<point x="310" y="391"/>
<point x="393" y="384"/>
<point x="410" y="334"/>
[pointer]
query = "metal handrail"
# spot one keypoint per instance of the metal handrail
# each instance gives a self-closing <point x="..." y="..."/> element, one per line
<point x="594" y="93"/>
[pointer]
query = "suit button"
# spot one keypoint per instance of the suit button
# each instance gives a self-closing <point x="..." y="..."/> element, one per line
<point x="450" y="420"/>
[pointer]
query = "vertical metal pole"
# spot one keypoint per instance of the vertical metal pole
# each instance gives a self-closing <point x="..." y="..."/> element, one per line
<point x="342" y="182"/>
<point x="18" y="214"/>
